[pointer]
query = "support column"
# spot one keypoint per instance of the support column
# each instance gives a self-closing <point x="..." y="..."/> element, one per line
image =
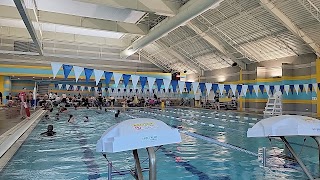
<point x="318" y="81"/>
<point x="6" y="88"/>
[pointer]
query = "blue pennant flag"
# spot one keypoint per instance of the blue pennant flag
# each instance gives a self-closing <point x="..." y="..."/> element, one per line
<point x="174" y="84"/>
<point x="56" y="86"/>
<point x="159" y="83"/>
<point x="169" y="90"/>
<point x="71" y="87"/>
<point x="107" y="76"/>
<point x="227" y="87"/>
<point x="78" y="88"/>
<point x="301" y="87"/>
<point x="106" y="89"/>
<point x="88" y="72"/>
<point x="261" y="87"/>
<point x="86" y="88"/>
<point x="136" y="90"/>
<point x="126" y="78"/>
<point x="63" y="86"/>
<point x="282" y="88"/>
<point x="130" y="90"/>
<point x="118" y="90"/>
<point x="272" y="89"/>
<point x="143" y="81"/>
<point x="310" y="87"/>
<point x="188" y="86"/>
<point x="66" y="70"/>
<point x="125" y="90"/>
<point x="291" y="88"/>
<point x="250" y="87"/>
<point x="215" y="88"/>
<point x="318" y="87"/>
<point x="239" y="88"/>
<point x="99" y="89"/>
<point x="202" y="87"/>
<point x="112" y="90"/>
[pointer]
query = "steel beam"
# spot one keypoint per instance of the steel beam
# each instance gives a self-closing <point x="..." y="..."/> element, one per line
<point x="28" y="22"/>
<point x="275" y="11"/>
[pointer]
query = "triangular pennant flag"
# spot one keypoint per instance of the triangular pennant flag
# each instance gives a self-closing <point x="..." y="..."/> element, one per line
<point x="214" y="88"/>
<point x="135" y="80"/>
<point x="174" y="84"/>
<point x="126" y="78"/>
<point x="159" y="83"/>
<point x="67" y="86"/>
<point x="66" y="70"/>
<point x="195" y="86"/>
<point x="143" y="81"/>
<point x="221" y="87"/>
<point x="256" y="89"/>
<point x="60" y="86"/>
<point x="296" y="88"/>
<point x="202" y="87"/>
<point x="261" y="87"/>
<point x="117" y="77"/>
<point x="310" y="87"/>
<point x="306" y="88"/>
<point x="291" y="88"/>
<point x="78" y="88"/>
<point x="97" y="75"/>
<point x="63" y="86"/>
<point x="208" y="88"/>
<point x="267" y="87"/>
<point x="82" y="88"/>
<point x="250" y="87"/>
<point x="244" y="90"/>
<point x="188" y="86"/>
<point x="55" y="66"/>
<point x="272" y="89"/>
<point x="233" y="88"/>
<point x="239" y="88"/>
<point x="277" y="88"/>
<point x="181" y="86"/>
<point x="301" y="87"/>
<point x="77" y="72"/>
<point x="88" y="72"/>
<point x="286" y="89"/>
<point x="151" y="81"/>
<point x="227" y="88"/>
<point x="107" y="76"/>
<point x="166" y="83"/>
<point x="315" y="87"/>
<point x="55" y="85"/>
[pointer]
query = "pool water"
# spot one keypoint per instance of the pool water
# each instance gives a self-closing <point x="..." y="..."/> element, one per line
<point x="71" y="153"/>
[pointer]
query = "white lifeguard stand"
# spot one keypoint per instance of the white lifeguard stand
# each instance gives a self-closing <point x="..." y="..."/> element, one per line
<point x="135" y="134"/>
<point x="288" y="125"/>
<point x="274" y="105"/>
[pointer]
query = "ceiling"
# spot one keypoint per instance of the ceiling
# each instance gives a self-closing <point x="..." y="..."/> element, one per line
<point x="241" y="31"/>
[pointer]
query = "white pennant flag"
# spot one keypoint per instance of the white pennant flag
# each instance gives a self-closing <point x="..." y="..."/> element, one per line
<point x="244" y="89"/>
<point x="96" y="89"/>
<point x="256" y="89"/>
<point x="77" y="72"/>
<point x="315" y="87"/>
<point x="286" y="88"/>
<point x="151" y="81"/>
<point x="267" y="87"/>
<point x="60" y="86"/>
<point x="116" y="77"/>
<point x="97" y="75"/>
<point x="55" y="68"/>
<point x="109" y="90"/>
<point x="166" y="83"/>
<point x="306" y="87"/>
<point x="89" y="89"/>
<point x="296" y="88"/>
<point x="67" y="86"/>
<point x="221" y="88"/>
<point x="195" y="86"/>
<point x="277" y="88"/>
<point x="135" y="80"/>
<point x="208" y="88"/>
<point x="82" y="88"/>
<point x="233" y="88"/>
<point x="181" y="86"/>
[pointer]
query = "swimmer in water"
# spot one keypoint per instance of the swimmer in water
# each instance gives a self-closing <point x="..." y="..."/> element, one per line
<point x="57" y="116"/>
<point x="47" y="117"/>
<point x="71" y="119"/>
<point x="49" y="131"/>
<point x="86" y="119"/>
<point x="117" y="114"/>
<point x="105" y="110"/>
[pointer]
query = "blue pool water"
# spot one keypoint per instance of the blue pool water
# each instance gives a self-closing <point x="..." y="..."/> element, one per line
<point x="214" y="146"/>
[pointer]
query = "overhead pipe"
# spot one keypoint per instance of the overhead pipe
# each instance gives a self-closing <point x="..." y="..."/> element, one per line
<point x="187" y="12"/>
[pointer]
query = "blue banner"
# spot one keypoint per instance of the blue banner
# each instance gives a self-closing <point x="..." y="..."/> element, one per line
<point x="272" y="89"/>
<point x="159" y="83"/>
<point x="261" y="87"/>
<point x="107" y="76"/>
<point x="215" y="88"/>
<point x="250" y="87"/>
<point x="126" y="78"/>
<point x="227" y="88"/>
<point x="66" y="70"/>
<point x="174" y="84"/>
<point x="188" y="86"/>
<point x="202" y="87"/>
<point x="143" y="81"/>
<point x="88" y="72"/>
<point x="239" y="88"/>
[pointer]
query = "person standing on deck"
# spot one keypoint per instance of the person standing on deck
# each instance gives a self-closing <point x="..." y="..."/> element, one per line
<point x="24" y="110"/>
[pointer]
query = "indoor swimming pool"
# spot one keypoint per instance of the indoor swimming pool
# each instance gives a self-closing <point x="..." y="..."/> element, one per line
<point x="214" y="146"/>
